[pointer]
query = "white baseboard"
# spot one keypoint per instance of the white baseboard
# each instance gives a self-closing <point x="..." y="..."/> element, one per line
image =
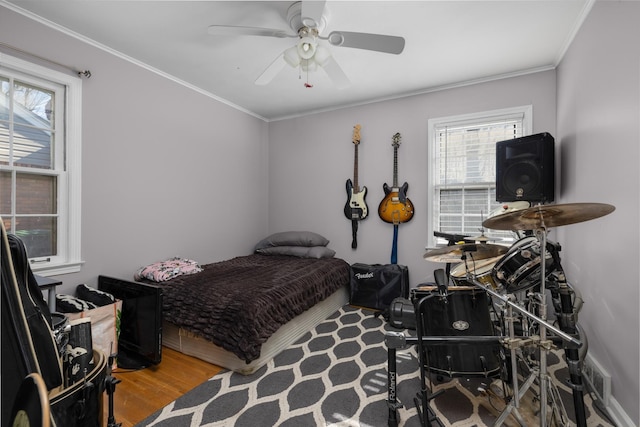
<point x="618" y="415"/>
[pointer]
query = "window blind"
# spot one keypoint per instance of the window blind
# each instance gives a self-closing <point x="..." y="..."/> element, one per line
<point x="465" y="161"/>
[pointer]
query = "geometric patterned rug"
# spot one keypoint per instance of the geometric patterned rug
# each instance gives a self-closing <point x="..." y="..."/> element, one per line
<point x="336" y="375"/>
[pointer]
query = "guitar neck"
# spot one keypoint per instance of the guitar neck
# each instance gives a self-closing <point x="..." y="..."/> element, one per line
<point x="395" y="167"/>
<point x="356" y="187"/>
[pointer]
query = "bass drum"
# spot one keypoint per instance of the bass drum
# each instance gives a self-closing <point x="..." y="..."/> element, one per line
<point x="461" y="316"/>
<point x="81" y="404"/>
<point x="520" y="268"/>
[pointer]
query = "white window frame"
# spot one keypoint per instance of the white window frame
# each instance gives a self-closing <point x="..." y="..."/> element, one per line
<point x="68" y="164"/>
<point x="433" y="201"/>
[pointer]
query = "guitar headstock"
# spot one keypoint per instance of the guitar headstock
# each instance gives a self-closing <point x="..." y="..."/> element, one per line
<point x="396" y="140"/>
<point x="356" y="134"/>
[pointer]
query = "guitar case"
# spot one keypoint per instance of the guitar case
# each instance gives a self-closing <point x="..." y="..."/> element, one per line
<point x="29" y="347"/>
<point x="28" y="344"/>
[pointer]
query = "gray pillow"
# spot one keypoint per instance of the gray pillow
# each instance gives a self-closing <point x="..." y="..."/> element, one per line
<point x="292" y="238"/>
<point x="299" y="251"/>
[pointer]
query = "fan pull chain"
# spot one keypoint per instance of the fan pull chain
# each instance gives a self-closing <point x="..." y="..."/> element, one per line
<point x="307" y="84"/>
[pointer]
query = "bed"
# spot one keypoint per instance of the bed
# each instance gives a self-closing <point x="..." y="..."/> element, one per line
<point x="240" y="313"/>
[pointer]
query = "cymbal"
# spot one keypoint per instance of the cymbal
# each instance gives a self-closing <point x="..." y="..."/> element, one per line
<point x="509" y="207"/>
<point x="456" y="253"/>
<point x="547" y="216"/>
<point x="481" y="239"/>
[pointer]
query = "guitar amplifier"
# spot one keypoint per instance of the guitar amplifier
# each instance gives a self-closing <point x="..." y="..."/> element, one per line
<point x="376" y="285"/>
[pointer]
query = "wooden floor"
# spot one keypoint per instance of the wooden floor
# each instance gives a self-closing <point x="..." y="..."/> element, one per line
<point x="141" y="393"/>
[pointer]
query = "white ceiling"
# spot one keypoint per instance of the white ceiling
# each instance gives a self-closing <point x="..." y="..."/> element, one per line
<point x="447" y="43"/>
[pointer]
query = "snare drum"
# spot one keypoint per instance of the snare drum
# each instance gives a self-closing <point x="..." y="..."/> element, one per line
<point x="481" y="270"/>
<point x="520" y="268"/>
<point x="462" y="314"/>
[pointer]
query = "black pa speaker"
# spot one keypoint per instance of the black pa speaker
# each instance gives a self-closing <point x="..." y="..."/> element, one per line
<point x="525" y="169"/>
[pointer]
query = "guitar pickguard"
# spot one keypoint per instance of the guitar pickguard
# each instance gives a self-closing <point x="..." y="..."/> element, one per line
<point x="356" y="206"/>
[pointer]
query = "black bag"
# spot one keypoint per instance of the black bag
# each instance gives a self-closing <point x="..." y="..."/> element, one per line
<point x="376" y="285"/>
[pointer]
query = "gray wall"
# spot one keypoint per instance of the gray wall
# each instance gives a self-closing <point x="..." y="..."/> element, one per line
<point x="599" y="130"/>
<point x="596" y="128"/>
<point x="168" y="171"/>
<point x="312" y="157"/>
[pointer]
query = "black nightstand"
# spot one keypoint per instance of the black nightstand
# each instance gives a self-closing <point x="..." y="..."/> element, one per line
<point x="50" y="285"/>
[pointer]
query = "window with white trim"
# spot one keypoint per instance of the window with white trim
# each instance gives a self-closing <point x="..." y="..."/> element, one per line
<point x="462" y="150"/>
<point x="40" y="163"/>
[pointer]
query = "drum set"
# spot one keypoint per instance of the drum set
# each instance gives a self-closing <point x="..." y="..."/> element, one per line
<point x="487" y="315"/>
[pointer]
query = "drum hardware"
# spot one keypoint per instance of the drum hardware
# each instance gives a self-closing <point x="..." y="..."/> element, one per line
<point x="540" y="218"/>
<point x="87" y="389"/>
<point x="546" y="387"/>
<point x="452" y="239"/>
<point x="110" y="385"/>
<point x="513" y="343"/>
<point x="567" y="319"/>
<point x="442" y="280"/>
<point x="481" y="238"/>
<point x="457" y="253"/>
<point x="394" y="341"/>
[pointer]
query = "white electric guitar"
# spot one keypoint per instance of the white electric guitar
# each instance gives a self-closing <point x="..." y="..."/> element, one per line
<point x="356" y="207"/>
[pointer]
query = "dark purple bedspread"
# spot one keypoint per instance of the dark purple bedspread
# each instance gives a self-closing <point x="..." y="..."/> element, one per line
<point x="239" y="303"/>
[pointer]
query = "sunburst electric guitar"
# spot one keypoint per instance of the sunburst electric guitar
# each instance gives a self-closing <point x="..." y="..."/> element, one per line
<point x="356" y="207"/>
<point x="396" y="207"/>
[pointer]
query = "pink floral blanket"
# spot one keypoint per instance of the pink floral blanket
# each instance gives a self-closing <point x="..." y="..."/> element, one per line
<point x="166" y="270"/>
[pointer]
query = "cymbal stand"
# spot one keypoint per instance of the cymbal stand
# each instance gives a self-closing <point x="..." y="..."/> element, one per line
<point x="543" y="343"/>
<point x="546" y="386"/>
<point x="512" y="345"/>
<point x="541" y="234"/>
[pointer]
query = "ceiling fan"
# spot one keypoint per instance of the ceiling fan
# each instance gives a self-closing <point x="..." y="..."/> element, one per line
<point x="307" y="21"/>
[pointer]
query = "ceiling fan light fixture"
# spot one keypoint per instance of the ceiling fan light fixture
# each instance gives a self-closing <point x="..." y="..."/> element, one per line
<point x="307" y="47"/>
<point x="308" y="65"/>
<point x="291" y="56"/>
<point x="322" y="55"/>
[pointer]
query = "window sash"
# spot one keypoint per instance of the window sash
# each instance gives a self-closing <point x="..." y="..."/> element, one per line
<point x="54" y="156"/>
<point x="462" y="151"/>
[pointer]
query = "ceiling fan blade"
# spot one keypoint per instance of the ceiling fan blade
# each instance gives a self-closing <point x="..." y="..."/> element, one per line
<point x="335" y="73"/>
<point x="271" y="71"/>
<point x="375" y="42"/>
<point x="231" y="30"/>
<point x="312" y="10"/>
